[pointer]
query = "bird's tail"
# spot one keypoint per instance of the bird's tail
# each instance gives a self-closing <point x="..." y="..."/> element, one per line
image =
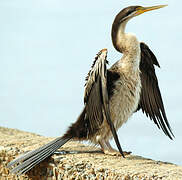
<point x="27" y="161"/>
<point x="22" y="164"/>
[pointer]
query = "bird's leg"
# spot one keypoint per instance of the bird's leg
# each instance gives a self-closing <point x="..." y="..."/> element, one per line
<point x="108" y="149"/>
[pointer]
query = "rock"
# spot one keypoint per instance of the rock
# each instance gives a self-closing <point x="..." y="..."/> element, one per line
<point x="79" y="166"/>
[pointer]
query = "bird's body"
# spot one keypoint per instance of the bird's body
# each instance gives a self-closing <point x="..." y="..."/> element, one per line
<point x="112" y="95"/>
<point x="126" y="96"/>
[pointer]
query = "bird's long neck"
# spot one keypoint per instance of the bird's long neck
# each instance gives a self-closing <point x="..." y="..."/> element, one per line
<point x="118" y="30"/>
<point x="127" y="44"/>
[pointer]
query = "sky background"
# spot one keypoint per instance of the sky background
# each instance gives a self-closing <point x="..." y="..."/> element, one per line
<point x="47" y="48"/>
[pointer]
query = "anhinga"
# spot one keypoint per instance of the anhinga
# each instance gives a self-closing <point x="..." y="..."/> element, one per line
<point x="112" y="95"/>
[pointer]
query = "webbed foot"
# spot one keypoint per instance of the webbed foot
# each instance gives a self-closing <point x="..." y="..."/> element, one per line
<point x="107" y="149"/>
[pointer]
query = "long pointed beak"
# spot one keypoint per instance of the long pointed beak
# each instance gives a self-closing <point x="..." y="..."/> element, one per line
<point x="141" y="10"/>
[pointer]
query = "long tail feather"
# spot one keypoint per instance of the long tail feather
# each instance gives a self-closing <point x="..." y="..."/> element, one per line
<point x="29" y="160"/>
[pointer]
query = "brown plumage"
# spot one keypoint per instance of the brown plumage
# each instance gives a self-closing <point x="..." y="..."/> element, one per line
<point x="111" y="95"/>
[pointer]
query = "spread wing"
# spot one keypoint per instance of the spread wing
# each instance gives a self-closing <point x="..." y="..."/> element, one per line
<point x="151" y="101"/>
<point x="96" y="96"/>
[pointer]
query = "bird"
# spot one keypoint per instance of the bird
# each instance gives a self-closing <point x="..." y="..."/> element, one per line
<point x="112" y="95"/>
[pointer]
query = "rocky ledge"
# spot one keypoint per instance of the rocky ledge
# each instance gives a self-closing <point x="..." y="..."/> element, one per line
<point x="93" y="165"/>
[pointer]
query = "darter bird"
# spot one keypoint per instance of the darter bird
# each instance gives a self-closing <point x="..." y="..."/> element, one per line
<point x="111" y="95"/>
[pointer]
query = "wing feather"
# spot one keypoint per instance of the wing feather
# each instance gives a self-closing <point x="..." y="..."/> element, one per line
<point x="151" y="100"/>
<point x="96" y="96"/>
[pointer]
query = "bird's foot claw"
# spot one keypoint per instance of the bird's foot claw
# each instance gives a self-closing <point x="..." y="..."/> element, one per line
<point x="114" y="152"/>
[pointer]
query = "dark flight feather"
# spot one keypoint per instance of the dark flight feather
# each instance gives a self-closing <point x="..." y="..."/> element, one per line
<point x="151" y="100"/>
<point x="96" y="96"/>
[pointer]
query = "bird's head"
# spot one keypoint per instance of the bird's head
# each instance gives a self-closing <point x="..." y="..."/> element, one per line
<point x="132" y="11"/>
<point x="124" y="16"/>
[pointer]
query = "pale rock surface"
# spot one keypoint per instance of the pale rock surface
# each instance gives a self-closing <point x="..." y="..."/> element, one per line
<point x="79" y="166"/>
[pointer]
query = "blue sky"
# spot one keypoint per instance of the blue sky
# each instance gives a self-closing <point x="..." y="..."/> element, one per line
<point x="47" y="48"/>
